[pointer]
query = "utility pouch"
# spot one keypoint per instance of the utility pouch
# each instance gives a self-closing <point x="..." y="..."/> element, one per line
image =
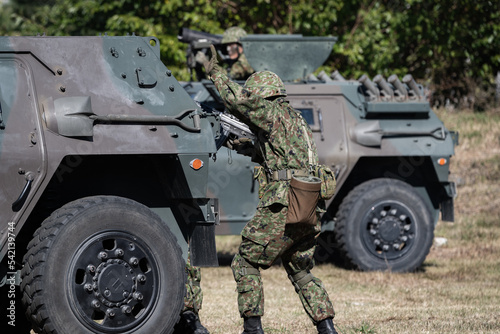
<point x="303" y="198"/>
<point x="259" y="174"/>
<point x="328" y="182"/>
<point x="323" y="173"/>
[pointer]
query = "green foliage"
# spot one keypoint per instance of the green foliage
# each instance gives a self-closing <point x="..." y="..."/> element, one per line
<point x="450" y="45"/>
<point x="364" y="328"/>
<point x="372" y="46"/>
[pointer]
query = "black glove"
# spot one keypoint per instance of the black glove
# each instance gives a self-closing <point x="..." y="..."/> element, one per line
<point x="243" y="146"/>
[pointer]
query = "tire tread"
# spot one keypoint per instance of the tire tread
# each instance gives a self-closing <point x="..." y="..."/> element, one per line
<point x="345" y="208"/>
<point x="38" y="248"/>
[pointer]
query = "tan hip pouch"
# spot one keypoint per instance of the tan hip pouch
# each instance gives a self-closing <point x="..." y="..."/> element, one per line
<point x="302" y="199"/>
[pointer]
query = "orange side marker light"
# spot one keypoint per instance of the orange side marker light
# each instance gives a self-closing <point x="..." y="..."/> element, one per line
<point x="441" y="161"/>
<point x="196" y="164"/>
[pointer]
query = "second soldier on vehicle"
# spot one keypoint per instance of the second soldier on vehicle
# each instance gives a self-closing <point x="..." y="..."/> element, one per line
<point x="238" y="67"/>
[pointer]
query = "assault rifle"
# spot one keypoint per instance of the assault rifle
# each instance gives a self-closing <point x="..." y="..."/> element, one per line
<point x="198" y="41"/>
<point x="238" y="136"/>
<point x="232" y="126"/>
<point x="234" y="134"/>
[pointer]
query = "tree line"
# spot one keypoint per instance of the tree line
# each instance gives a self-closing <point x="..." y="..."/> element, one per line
<point x="450" y="46"/>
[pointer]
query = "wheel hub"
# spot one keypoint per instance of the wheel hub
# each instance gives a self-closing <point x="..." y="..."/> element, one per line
<point x="115" y="282"/>
<point x="390" y="230"/>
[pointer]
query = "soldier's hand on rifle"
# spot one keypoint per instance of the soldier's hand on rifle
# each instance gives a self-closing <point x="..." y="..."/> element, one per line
<point x="243" y="146"/>
<point x="208" y="64"/>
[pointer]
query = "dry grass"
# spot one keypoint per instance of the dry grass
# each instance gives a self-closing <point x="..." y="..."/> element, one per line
<point x="457" y="290"/>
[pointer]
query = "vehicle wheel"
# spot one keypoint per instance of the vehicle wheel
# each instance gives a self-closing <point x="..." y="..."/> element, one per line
<point x="383" y="224"/>
<point x="103" y="265"/>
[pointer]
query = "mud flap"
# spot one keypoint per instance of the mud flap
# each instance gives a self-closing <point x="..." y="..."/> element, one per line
<point x="447" y="205"/>
<point x="202" y="241"/>
<point x="447" y="211"/>
<point x="202" y="246"/>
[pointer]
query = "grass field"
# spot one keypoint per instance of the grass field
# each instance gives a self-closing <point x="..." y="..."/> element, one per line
<point x="457" y="290"/>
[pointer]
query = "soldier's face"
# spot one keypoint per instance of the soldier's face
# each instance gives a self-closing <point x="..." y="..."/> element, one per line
<point x="234" y="50"/>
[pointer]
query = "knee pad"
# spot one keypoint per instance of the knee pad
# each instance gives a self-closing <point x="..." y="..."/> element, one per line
<point x="242" y="267"/>
<point x="300" y="279"/>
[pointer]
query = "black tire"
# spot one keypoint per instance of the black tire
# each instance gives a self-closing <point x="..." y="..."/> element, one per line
<point x="103" y="265"/>
<point x="383" y="224"/>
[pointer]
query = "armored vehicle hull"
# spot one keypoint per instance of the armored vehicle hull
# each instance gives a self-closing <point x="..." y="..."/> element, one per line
<point x="104" y="180"/>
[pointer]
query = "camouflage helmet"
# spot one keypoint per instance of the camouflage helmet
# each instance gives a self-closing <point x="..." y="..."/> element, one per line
<point x="265" y="84"/>
<point x="233" y="35"/>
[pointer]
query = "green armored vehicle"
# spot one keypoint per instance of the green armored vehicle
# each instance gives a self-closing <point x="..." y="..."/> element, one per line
<point x="104" y="171"/>
<point x="388" y="148"/>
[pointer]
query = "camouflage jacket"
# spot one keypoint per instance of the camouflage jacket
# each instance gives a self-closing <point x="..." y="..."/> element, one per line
<point x="241" y="69"/>
<point x="280" y="131"/>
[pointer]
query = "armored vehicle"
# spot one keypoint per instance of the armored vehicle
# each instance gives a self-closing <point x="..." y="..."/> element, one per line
<point x="390" y="152"/>
<point x="103" y="182"/>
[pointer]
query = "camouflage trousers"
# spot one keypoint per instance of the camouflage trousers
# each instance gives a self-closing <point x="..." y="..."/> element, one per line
<point x="194" y="296"/>
<point x="265" y="239"/>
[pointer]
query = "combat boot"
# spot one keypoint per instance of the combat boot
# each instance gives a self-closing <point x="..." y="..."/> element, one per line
<point x="190" y="324"/>
<point x="326" y="327"/>
<point x="252" y="325"/>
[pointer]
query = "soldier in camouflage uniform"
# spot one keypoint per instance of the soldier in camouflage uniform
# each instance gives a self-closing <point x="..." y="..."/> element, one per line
<point x="284" y="144"/>
<point x="189" y="322"/>
<point x="240" y="68"/>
